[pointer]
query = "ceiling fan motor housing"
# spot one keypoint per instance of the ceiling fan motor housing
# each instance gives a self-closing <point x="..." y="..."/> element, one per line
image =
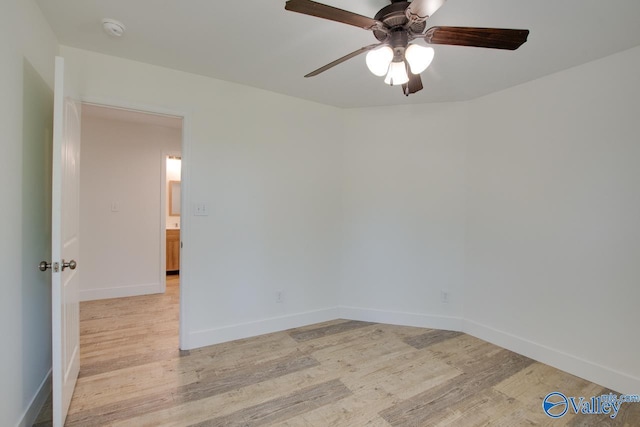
<point x="398" y="41"/>
<point x="394" y="18"/>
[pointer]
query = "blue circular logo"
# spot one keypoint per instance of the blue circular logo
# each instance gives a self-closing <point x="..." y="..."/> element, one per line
<point x="555" y="404"/>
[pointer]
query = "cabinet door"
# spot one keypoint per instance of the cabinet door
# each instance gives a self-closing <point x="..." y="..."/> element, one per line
<point x="173" y="250"/>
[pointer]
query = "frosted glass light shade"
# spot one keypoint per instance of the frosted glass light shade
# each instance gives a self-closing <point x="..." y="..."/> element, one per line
<point x="397" y="74"/>
<point x="378" y="60"/>
<point x="419" y="57"/>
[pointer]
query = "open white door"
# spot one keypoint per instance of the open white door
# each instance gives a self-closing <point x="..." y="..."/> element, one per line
<point x="65" y="243"/>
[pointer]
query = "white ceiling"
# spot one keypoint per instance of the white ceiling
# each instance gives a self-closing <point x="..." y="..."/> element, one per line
<point x="257" y="43"/>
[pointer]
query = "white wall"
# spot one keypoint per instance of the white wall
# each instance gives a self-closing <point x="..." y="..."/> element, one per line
<point x="404" y="195"/>
<point x="121" y="163"/>
<point x="553" y="219"/>
<point x="268" y="168"/>
<point x="26" y="299"/>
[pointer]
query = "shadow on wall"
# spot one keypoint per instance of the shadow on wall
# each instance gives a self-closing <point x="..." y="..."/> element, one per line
<point x="37" y="145"/>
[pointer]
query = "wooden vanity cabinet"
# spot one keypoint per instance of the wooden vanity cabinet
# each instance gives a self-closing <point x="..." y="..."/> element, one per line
<point x="173" y="250"/>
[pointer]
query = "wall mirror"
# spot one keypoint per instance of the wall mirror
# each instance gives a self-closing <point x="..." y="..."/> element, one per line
<point x="174" y="198"/>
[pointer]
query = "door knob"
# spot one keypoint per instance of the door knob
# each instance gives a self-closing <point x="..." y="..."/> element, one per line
<point x="44" y="265"/>
<point x="71" y="264"/>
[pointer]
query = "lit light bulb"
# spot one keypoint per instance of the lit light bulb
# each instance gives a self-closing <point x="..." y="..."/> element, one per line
<point x="378" y="60"/>
<point x="397" y="74"/>
<point x="419" y="57"/>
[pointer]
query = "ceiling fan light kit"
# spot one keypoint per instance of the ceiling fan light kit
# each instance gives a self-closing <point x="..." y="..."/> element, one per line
<point x="397" y="74"/>
<point x="419" y="57"/>
<point x="396" y="26"/>
<point x="388" y="59"/>
<point x="378" y="60"/>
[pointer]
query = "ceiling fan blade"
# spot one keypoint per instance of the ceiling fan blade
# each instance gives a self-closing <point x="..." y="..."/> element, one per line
<point x="331" y="13"/>
<point x="420" y="10"/>
<point x="414" y="85"/>
<point x="341" y="60"/>
<point x="493" y="38"/>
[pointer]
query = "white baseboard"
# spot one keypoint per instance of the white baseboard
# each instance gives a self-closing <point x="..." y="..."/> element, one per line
<point x="120" y="291"/>
<point x="615" y="380"/>
<point x="401" y="318"/>
<point x="36" y="404"/>
<point x="244" y="330"/>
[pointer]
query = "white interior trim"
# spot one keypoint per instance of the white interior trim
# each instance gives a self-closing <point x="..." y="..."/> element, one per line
<point x="603" y="375"/>
<point x="35" y="406"/>
<point x="259" y="327"/>
<point x="400" y="318"/>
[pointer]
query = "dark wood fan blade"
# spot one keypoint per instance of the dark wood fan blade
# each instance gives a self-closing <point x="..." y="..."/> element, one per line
<point x="420" y="10"/>
<point x="341" y="60"/>
<point x="331" y="13"/>
<point x="414" y="85"/>
<point x="493" y="38"/>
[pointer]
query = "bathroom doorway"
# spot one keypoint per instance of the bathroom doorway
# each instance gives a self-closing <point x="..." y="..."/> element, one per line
<point x="172" y="179"/>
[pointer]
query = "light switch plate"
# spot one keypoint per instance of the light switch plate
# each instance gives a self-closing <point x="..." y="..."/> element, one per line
<point x="200" y="209"/>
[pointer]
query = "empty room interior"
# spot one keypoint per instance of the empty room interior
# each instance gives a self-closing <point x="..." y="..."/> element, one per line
<point x="344" y="249"/>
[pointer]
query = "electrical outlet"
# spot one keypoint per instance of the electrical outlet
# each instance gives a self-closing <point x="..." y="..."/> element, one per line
<point x="279" y="296"/>
<point x="444" y="296"/>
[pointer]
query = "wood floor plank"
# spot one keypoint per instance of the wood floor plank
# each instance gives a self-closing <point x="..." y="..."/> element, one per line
<point x="529" y="384"/>
<point x="136" y="359"/>
<point x="186" y="413"/>
<point x="206" y="386"/>
<point x="163" y="375"/>
<point x="379" y="383"/>
<point x="431" y="404"/>
<point x="311" y="334"/>
<point x="431" y="337"/>
<point x="128" y="384"/>
<point x="365" y="372"/>
<point x="282" y="408"/>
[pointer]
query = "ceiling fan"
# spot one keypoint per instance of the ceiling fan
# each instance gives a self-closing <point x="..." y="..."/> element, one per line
<point x="395" y="26"/>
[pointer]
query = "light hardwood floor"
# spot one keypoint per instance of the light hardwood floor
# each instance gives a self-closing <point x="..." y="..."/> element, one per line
<point x="338" y="373"/>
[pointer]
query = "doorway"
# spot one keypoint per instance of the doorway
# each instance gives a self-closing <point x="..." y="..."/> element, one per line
<point x="122" y="191"/>
<point x="172" y="179"/>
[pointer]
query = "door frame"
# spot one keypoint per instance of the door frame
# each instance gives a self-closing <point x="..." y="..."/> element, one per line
<point x="185" y="223"/>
